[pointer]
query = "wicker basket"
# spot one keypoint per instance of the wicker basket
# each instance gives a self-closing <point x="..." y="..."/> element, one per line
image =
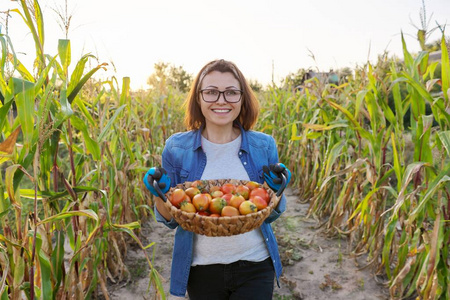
<point x="220" y="226"/>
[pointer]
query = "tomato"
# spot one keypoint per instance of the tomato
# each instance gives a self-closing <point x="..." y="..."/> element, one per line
<point x="259" y="202"/>
<point x="247" y="207"/>
<point x="236" y="200"/>
<point x="200" y="184"/>
<point x="252" y="185"/>
<point x="216" y="194"/>
<point x="203" y="213"/>
<point x="227" y="198"/>
<point x="216" y="205"/>
<point x="214" y="188"/>
<point x="229" y="211"/>
<point x="261" y="192"/>
<point x="228" y="188"/>
<point x="201" y="201"/>
<point x="187" y="207"/>
<point x="243" y="191"/>
<point x="177" y="196"/>
<point x="192" y="191"/>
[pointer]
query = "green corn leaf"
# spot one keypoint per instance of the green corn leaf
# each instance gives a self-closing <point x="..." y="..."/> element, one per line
<point x="24" y="91"/>
<point x="9" y="179"/>
<point x="125" y="91"/>
<point x="91" y="145"/>
<point x="46" y="275"/>
<point x="39" y="21"/>
<point x="294" y="136"/>
<point x="3" y="112"/>
<point x="334" y="154"/>
<point x="105" y="130"/>
<point x="388" y="237"/>
<point x="25" y="74"/>
<point x="66" y="108"/>
<point x="80" y="103"/>
<point x="77" y="73"/>
<point x="64" y="215"/>
<point x="409" y="62"/>
<point x="82" y="81"/>
<point x="355" y="123"/>
<point x="445" y="69"/>
<point x="64" y="54"/>
<point x="3" y="58"/>
<point x="43" y="76"/>
<point x="421" y="62"/>
<point x="397" y="167"/>
<point x="444" y="136"/>
<point x="19" y="271"/>
<point x="57" y="258"/>
<point x="433" y="187"/>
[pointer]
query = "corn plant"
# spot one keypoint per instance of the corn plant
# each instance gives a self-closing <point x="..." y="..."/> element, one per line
<point x="53" y="192"/>
<point x="348" y="147"/>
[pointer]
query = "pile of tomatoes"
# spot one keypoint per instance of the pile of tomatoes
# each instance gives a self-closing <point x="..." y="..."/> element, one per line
<point x="219" y="201"/>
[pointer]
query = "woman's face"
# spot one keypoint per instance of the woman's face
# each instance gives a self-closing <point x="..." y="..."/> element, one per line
<point x="220" y="113"/>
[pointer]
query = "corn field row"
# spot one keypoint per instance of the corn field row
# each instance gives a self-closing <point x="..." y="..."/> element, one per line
<point x="73" y="151"/>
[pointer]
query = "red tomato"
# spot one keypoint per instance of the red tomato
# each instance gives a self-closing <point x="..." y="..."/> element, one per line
<point x="259" y="202"/>
<point x="243" y="191"/>
<point x="227" y="198"/>
<point x="201" y="201"/>
<point x="216" y="194"/>
<point x="261" y="193"/>
<point x="216" y="205"/>
<point x="203" y="213"/>
<point x="200" y="184"/>
<point x="236" y="200"/>
<point x="229" y="211"/>
<point x="228" y="188"/>
<point x="252" y="185"/>
<point x="177" y="196"/>
<point x="192" y="191"/>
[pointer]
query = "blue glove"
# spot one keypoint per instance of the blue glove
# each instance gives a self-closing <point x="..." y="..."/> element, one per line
<point x="160" y="175"/>
<point x="272" y="175"/>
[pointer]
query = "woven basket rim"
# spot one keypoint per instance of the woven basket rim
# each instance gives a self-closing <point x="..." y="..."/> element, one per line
<point x="224" y="224"/>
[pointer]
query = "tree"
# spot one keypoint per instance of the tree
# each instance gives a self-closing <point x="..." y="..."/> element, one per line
<point x="166" y="74"/>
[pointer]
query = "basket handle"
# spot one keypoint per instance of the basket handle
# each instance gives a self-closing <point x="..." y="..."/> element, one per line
<point x="283" y="185"/>
<point x="158" y="190"/>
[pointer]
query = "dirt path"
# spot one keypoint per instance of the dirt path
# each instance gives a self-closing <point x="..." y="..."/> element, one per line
<point x="314" y="266"/>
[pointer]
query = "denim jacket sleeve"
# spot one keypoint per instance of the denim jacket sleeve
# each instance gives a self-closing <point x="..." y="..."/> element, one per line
<point x="166" y="164"/>
<point x="281" y="207"/>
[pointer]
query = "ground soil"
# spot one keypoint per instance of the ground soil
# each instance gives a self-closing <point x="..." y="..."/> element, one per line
<point x="314" y="266"/>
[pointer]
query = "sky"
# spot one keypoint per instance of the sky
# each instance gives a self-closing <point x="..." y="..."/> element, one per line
<point x="267" y="39"/>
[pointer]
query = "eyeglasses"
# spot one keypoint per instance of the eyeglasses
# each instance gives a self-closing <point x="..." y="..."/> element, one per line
<point x="230" y="96"/>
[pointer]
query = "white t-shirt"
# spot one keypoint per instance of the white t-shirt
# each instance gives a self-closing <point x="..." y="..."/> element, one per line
<point x="222" y="162"/>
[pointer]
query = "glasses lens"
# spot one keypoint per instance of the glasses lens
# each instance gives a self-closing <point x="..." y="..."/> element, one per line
<point x="210" y="95"/>
<point x="232" y="95"/>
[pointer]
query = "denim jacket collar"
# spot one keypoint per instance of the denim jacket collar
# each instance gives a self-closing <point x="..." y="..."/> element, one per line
<point x="244" y="143"/>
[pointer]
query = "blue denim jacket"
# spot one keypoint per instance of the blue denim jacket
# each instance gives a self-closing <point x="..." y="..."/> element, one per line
<point x="184" y="160"/>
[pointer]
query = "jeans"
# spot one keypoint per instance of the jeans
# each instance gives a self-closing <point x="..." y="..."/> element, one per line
<point x="238" y="280"/>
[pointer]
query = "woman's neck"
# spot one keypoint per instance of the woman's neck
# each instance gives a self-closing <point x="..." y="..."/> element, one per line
<point x="220" y="135"/>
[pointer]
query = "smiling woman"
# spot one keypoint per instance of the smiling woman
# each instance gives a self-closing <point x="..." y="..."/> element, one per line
<point x="221" y="109"/>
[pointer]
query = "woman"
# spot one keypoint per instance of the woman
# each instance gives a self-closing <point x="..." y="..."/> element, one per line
<point x="220" y="111"/>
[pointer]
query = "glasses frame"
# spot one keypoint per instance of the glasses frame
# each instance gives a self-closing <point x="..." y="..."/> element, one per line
<point x="221" y="92"/>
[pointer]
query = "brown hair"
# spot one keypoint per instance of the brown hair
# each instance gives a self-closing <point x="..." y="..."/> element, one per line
<point x="194" y="118"/>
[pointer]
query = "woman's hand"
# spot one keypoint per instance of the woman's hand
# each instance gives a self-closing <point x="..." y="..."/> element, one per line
<point x="273" y="175"/>
<point x="160" y="175"/>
